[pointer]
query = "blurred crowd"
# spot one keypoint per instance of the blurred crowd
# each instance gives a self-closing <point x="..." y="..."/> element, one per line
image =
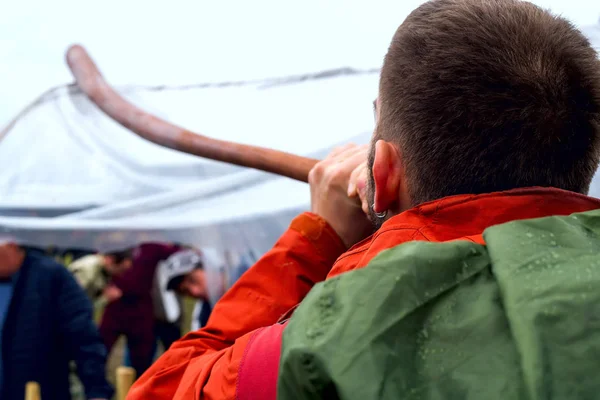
<point x="63" y="311"/>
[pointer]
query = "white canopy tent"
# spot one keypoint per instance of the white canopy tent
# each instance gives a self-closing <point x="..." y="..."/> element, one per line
<point x="86" y="182"/>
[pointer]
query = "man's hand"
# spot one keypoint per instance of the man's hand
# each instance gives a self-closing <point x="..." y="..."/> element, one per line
<point x="358" y="186"/>
<point x="112" y="293"/>
<point x="334" y="186"/>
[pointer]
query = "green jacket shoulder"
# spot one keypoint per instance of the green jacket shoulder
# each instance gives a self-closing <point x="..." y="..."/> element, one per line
<point x="518" y="318"/>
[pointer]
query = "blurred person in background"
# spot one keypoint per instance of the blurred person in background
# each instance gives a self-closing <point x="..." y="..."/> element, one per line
<point x="46" y="322"/>
<point x="93" y="272"/>
<point x="185" y="273"/>
<point x="182" y="274"/>
<point x="130" y="308"/>
<point x="168" y="316"/>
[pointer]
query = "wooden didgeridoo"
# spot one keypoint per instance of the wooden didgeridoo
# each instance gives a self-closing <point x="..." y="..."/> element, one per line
<point x="166" y="134"/>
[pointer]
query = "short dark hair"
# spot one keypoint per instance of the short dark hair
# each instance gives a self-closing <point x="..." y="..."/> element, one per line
<point x="485" y="96"/>
<point x="120" y="255"/>
<point x="175" y="282"/>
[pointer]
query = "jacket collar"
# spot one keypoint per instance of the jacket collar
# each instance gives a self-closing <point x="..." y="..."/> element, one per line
<point x="463" y="217"/>
<point x="455" y="217"/>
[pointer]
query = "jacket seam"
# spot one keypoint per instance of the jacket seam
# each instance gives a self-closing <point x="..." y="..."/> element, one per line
<point x="310" y="241"/>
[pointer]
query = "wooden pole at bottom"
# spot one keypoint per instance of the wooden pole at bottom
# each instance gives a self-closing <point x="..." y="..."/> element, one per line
<point x="32" y="391"/>
<point x="125" y="378"/>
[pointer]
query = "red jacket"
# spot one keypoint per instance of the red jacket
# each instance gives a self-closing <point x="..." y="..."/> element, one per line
<point x="236" y="355"/>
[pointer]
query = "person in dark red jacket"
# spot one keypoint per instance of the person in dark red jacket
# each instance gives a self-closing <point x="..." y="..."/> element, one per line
<point x="130" y="311"/>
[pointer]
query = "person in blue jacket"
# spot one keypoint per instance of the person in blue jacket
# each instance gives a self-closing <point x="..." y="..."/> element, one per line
<point x="45" y="323"/>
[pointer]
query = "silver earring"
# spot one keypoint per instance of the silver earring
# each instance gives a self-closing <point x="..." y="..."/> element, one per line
<point x="380" y="215"/>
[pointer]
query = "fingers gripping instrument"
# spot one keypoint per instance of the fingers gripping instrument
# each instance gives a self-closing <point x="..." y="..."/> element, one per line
<point x="169" y="135"/>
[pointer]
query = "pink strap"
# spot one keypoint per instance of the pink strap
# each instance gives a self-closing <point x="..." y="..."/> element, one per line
<point x="257" y="376"/>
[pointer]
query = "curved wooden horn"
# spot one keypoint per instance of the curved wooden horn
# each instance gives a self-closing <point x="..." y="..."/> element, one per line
<point x="163" y="133"/>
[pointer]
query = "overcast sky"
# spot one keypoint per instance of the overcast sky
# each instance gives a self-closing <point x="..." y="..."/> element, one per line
<point x="190" y="41"/>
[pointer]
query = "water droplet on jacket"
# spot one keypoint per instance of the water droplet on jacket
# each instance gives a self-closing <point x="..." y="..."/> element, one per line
<point x="529" y="234"/>
<point x="554" y="254"/>
<point x="326" y="301"/>
<point x="553" y="243"/>
<point x="551" y="234"/>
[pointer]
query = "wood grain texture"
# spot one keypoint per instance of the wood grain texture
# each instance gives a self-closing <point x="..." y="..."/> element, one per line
<point x="166" y="134"/>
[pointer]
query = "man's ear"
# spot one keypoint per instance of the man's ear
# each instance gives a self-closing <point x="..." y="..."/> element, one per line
<point x="387" y="175"/>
